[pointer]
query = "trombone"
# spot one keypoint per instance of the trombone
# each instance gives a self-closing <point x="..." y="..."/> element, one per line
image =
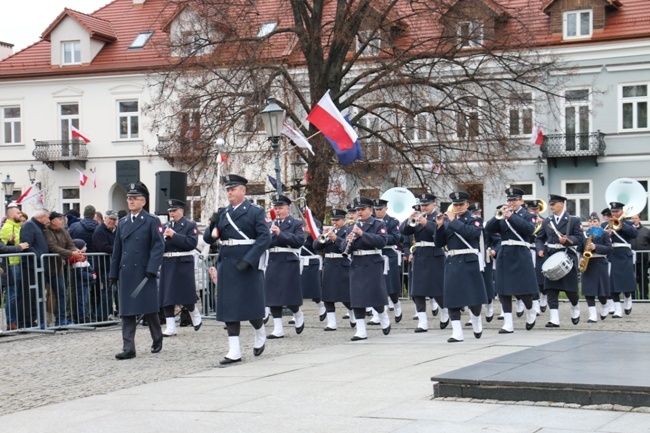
<point x="617" y="223"/>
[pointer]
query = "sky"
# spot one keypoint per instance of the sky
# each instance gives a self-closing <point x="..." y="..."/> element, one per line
<point x="23" y="21"/>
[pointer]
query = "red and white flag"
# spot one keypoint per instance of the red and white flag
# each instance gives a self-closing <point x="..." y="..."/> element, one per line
<point x="296" y="136"/>
<point x="94" y="172"/>
<point x="76" y="133"/>
<point x="537" y="136"/>
<point x="313" y="228"/>
<point x="82" y="178"/>
<point x="24" y="195"/>
<point x="221" y="158"/>
<point x="329" y="120"/>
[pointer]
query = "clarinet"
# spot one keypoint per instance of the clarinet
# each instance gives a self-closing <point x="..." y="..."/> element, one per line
<point x="346" y="253"/>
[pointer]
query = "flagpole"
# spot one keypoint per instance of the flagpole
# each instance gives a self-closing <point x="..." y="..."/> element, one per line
<point x="313" y="135"/>
<point x="220" y="142"/>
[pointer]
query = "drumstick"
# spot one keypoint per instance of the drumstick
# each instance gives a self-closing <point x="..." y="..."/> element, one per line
<point x="558" y="233"/>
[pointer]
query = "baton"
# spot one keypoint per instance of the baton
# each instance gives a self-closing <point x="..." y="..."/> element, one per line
<point x="137" y="290"/>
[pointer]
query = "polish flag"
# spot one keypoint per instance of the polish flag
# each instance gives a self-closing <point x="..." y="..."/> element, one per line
<point x="313" y="228"/>
<point x="329" y="120"/>
<point x="94" y="172"/>
<point x="221" y="158"/>
<point x="76" y="133"/>
<point x="537" y="136"/>
<point x="82" y="178"/>
<point x="24" y="195"/>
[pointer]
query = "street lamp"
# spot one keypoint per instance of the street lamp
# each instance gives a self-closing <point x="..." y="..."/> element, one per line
<point x="298" y="173"/>
<point x="539" y="168"/>
<point x="273" y="116"/>
<point x="31" y="172"/>
<point x="8" y="188"/>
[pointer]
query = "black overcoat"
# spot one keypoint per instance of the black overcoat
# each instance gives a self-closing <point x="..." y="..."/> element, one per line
<point x="336" y="270"/>
<point x="367" y="281"/>
<point x="282" y="278"/>
<point x="177" y="286"/>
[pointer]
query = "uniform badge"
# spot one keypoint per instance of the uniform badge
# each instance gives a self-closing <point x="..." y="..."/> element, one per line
<point x="382" y="230"/>
<point x="160" y="229"/>
<point x="457" y="196"/>
<point x="227" y="178"/>
<point x="195" y="231"/>
<point x="477" y="224"/>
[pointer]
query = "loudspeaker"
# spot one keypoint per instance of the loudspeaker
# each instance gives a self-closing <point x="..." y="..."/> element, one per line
<point x="169" y="185"/>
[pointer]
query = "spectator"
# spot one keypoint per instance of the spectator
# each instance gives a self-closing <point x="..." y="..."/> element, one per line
<point x="121" y="214"/>
<point x="84" y="228"/>
<point x="98" y="217"/>
<point x="103" y="240"/>
<point x="59" y="242"/>
<point x="641" y="244"/>
<point x="33" y="233"/>
<point x="72" y="217"/>
<point x="82" y="278"/>
<point x="10" y="235"/>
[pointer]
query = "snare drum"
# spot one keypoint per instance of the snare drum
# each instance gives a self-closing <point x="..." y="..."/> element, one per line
<point x="557" y="266"/>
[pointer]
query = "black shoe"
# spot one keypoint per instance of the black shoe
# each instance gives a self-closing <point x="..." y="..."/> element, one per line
<point x="500" y="318"/>
<point x="489" y="318"/>
<point x="391" y="308"/>
<point x="453" y="340"/>
<point x="353" y="325"/>
<point x="292" y="322"/>
<point x="478" y="334"/>
<point x="355" y="338"/>
<point x="368" y="313"/>
<point x="125" y="354"/>
<point x="552" y="325"/>
<point x="592" y="321"/>
<point x="418" y="330"/>
<point x="322" y="316"/>
<point x="505" y="331"/>
<point x="628" y="312"/>
<point x="520" y="313"/>
<point x="156" y="346"/>
<point x="576" y="320"/>
<point x="197" y="327"/>
<point x="386" y="330"/>
<point x="435" y="312"/>
<point x="530" y="326"/>
<point x="616" y="316"/>
<point x="468" y="324"/>
<point x="257" y="351"/>
<point x="443" y="325"/>
<point x="226" y="361"/>
<point x="373" y="323"/>
<point x="274" y="337"/>
<point x="603" y="317"/>
<point x="398" y="318"/>
<point x="415" y="318"/>
<point x="542" y="308"/>
<point x="329" y="329"/>
<point x="300" y="328"/>
<point x="346" y="316"/>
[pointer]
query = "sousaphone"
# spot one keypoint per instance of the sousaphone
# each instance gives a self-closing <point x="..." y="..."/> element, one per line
<point x="400" y="202"/>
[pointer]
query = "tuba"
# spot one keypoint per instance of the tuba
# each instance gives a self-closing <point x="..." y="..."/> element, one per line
<point x="400" y="203"/>
<point x="627" y="191"/>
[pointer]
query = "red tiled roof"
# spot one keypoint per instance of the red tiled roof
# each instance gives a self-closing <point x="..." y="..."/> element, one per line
<point x="119" y="22"/>
<point x="614" y="3"/>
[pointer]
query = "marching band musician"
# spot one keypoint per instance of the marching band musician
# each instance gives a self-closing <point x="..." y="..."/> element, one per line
<point x="515" y="271"/>
<point x="393" y="280"/>
<point x="352" y="217"/>
<point x="560" y="232"/>
<point x="595" y="279"/>
<point x="282" y="278"/>
<point x="336" y="269"/>
<point x="463" y="284"/>
<point x="367" y="283"/>
<point x="540" y="302"/>
<point x="310" y="277"/>
<point x="427" y="261"/>
<point x="492" y="245"/>
<point x="607" y="216"/>
<point x="177" y="285"/>
<point x="622" y="277"/>
<point x="244" y="238"/>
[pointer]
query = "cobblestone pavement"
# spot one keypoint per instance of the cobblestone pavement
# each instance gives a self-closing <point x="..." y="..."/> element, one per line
<point x="38" y="369"/>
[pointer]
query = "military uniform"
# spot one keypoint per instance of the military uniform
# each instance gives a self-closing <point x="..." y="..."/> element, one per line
<point x="622" y="276"/>
<point x="595" y="279"/>
<point x="137" y="256"/>
<point x="491" y="242"/>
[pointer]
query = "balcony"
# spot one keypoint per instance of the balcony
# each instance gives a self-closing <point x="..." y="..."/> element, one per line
<point x="63" y="151"/>
<point x="574" y="146"/>
<point x="181" y="153"/>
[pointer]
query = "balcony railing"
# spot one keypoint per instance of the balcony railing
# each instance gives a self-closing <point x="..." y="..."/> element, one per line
<point x="63" y="151"/>
<point x="573" y="145"/>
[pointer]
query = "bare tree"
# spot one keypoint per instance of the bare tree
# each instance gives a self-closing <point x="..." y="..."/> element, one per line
<point x="431" y="86"/>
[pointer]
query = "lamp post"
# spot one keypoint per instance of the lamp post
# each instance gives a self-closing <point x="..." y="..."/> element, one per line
<point x="273" y="116"/>
<point x="8" y="188"/>
<point x="539" y="168"/>
<point x="298" y="173"/>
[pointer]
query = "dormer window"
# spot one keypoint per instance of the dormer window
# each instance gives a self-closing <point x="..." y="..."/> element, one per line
<point x="71" y="51"/>
<point x="141" y="40"/>
<point x="577" y="24"/>
<point x="374" y="43"/>
<point x="469" y="34"/>
<point x="266" y="28"/>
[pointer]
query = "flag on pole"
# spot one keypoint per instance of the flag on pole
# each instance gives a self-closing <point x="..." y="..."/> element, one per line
<point x="329" y="120"/>
<point x="274" y="184"/>
<point x="76" y="133"/>
<point x="94" y="172"/>
<point x="296" y="137"/>
<point x="311" y="223"/>
<point x="221" y="158"/>
<point x="537" y="136"/>
<point x="347" y="156"/>
<point x="82" y="178"/>
<point x="24" y="195"/>
<point x="436" y="168"/>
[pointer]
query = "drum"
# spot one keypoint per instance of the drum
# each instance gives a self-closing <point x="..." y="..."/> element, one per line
<point x="557" y="266"/>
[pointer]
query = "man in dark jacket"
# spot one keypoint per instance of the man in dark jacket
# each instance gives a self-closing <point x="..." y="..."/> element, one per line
<point x="84" y="228"/>
<point x="32" y="232"/>
<point x="103" y="240"/>
<point x="641" y="244"/>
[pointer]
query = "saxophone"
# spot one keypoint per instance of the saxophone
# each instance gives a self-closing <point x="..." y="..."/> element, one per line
<point x="584" y="261"/>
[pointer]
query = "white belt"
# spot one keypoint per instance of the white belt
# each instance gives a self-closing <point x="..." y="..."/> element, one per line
<point x="334" y="256"/>
<point x="595" y="256"/>
<point x="178" y="254"/>
<point x="235" y="242"/>
<point x="621" y="245"/>
<point x="366" y="252"/>
<point x="459" y="252"/>
<point x="512" y="242"/>
<point x="284" y="250"/>
<point x="389" y="247"/>
<point x="424" y="244"/>
<point x="556" y="246"/>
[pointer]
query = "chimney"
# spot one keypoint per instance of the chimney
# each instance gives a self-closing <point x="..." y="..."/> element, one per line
<point x="138" y="3"/>
<point x="6" y="50"/>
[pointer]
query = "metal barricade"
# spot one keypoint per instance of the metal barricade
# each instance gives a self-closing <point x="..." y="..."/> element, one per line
<point x="642" y="271"/>
<point x="206" y="289"/>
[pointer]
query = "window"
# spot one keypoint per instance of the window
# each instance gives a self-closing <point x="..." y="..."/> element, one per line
<point x="71" y="51"/>
<point x="68" y="116"/>
<point x="576" y="119"/>
<point x="527" y="187"/>
<point x="634" y="105"/>
<point x="467" y="118"/>
<point x="419" y="128"/>
<point x="141" y="40"/>
<point x="194" y="200"/>
<point x="70" y="199"/>
<point x="195" y="44"/>
<point x="577" y="24"/>
<point x="190" y="127"/>
<point x="521" y="114"/>
<point x="644" y="214"/>
<point x="469" y="34"/>
<point x="266" y="28"/>
<point x="373" y="41"/>
<point x="578" y="196"/>
<point x="128" y="119"/>
<point x="10" y="125"/>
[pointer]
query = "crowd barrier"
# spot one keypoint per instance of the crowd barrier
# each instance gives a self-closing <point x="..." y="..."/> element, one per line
<point x="50" y="293"/>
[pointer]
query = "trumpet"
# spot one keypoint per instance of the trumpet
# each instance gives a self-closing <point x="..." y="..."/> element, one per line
<point x="351" y="240"/>
<point x="324" y="237"/>
<point x="413" y="221"/>
<point x="500" y="213"/>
